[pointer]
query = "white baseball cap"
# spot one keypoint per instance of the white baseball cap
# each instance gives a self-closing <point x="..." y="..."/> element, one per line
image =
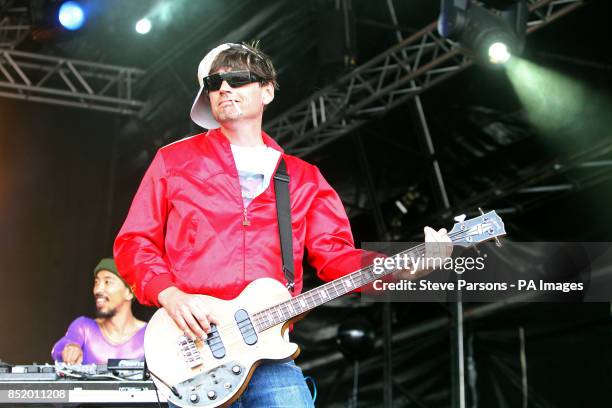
<point x="200" y="110"/>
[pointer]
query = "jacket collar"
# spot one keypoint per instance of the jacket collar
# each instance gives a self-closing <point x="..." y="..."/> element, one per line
<point x="216" y="136"/>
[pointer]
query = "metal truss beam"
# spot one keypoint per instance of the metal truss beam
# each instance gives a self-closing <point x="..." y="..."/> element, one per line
<point x="68" y="82"/>
<point x="594" y="164"/>
<point x="409" y="68"/>
<point x="14" y="24"/>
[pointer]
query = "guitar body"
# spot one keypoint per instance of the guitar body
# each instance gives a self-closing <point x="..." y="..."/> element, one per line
<point x="226" y="361"/>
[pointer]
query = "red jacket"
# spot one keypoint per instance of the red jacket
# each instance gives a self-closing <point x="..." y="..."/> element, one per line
<point x="186" y="226"/>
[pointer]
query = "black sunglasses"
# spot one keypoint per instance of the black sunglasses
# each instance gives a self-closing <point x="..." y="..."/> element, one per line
<point x="235" y="79"/>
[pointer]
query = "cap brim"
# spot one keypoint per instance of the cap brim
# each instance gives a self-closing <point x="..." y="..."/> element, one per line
<point x="201" y="113"/>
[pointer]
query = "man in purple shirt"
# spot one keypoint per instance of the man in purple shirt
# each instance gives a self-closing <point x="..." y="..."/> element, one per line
<point x="114" y="333"/>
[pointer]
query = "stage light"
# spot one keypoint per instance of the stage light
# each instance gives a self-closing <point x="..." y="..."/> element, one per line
<point x="498" y="53"/>
<point x="71" y="15"/>
<point x="492" y="36"/>
<point x="143" y="26"/>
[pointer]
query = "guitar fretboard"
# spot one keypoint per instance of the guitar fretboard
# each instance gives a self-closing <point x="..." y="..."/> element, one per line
<point x="306" y="301"/>
<point x="465" y="233"/>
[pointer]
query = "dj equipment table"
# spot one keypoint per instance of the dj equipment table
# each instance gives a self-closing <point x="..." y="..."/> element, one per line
<point x="47" y="386"/>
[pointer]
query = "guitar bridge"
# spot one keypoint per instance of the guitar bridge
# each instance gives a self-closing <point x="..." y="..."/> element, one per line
<point x="190" y="352"/>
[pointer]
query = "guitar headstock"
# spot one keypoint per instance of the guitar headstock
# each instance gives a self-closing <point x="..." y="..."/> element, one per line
<point x="479" y="229"/>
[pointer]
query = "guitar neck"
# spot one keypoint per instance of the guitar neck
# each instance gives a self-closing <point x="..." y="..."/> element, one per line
<point x="464" y="233"/>
<point x="307" y="301"/>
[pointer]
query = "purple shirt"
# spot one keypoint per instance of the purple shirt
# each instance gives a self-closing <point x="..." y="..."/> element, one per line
<point x="96" y="349"/>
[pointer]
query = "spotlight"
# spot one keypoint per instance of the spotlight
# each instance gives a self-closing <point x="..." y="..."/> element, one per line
<point x="71" y="15"/>
<point x="494" y="37"/>
<point x="498" y="53"/>
<point x="143" y="26"/>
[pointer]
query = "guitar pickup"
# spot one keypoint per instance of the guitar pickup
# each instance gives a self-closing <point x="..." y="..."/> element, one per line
<point x="246" y="327"/>
<point x="215" y="343"/>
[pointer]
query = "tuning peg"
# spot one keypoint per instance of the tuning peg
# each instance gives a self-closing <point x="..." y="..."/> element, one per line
<point x="481" y="212"/>
<point x="498" y="242"/>
<point x="476" y="249"/>
<point x="460" y="218"/>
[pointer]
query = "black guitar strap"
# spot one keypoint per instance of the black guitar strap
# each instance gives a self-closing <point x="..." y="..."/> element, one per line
<point x="283" y="214"/>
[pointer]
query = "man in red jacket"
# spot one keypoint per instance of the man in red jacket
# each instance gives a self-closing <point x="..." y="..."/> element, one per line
<point x="204" y="218"/>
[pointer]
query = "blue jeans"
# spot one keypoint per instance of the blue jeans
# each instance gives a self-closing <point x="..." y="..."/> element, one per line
<point x="275" y="385"/>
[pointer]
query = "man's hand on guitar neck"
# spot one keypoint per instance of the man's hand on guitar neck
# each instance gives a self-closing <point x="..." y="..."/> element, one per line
<point x="438" y="246"/>
<point x="188" y="311"/>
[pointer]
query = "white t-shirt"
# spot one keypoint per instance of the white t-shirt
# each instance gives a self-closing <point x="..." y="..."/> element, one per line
<point x="255" y="169"/>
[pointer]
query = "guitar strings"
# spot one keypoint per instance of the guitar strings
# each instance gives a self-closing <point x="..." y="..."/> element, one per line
<point x="264" y="323"/>
<point x="282" y="308"/>
<point x="261" y="323"/>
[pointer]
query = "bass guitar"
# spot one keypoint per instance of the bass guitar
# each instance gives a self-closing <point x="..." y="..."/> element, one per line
<point x="214" y="372"/>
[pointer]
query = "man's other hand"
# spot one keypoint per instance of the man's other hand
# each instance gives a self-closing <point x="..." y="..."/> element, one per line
<point x="72" y="354"/>
<point x="437" y="244"/>
<point x="188" y="311"/>
<point x="438" y="247"/>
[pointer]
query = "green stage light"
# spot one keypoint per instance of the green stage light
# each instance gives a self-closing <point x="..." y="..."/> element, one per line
<point x="499" y="53"/>
<point x="568" y="112"/>
<point x="143" y="26"/>
<point x="553" y="102"/>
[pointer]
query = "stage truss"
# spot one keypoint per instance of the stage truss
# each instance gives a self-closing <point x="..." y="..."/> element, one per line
<point x="409" y="68"/>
